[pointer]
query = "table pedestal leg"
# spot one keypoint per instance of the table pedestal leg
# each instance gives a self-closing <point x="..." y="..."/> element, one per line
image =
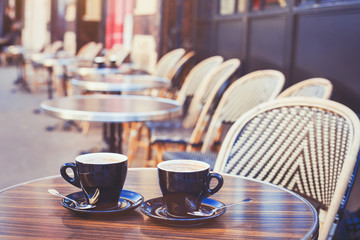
<point x="64" y="79"/>
<point x="68" y="123"/>
<point x="112" y="135"/>
<point x="49" y="83"/>
<point x="19" y="63"/>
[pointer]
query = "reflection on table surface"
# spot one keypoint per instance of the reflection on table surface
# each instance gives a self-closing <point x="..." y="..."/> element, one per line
<point x="112" y="108"/>
<point x="27" y="210"/>
<point x="124" y="68"/>
<point x="120" y="82"/>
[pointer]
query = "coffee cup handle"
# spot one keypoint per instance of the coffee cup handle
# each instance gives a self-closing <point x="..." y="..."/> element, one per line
<point x="211" y="191"/>
<point x="75" y="180"/>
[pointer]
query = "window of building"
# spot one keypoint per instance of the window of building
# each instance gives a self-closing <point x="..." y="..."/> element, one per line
<point x="257" y="5"/>
<point x="274" y="3"/>
<point x="228" y="7"/>
<point x="241" y="6"/>
<point x="92" y="10"/>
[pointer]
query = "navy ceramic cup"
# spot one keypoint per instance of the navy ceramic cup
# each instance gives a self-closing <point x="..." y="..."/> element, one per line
<point x="184" y="184"/>
<point x="101" y="176"/>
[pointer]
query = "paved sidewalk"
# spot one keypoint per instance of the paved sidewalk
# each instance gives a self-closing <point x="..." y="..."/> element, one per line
<point x="27" y="150"/>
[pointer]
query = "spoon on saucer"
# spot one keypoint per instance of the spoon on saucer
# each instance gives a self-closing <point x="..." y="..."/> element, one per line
<point x="213" y="211"/>
<point x="77" y="205"/>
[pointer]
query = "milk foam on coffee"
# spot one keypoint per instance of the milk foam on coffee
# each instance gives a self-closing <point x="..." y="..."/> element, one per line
<point x="183" y="166"/>
<point x="101" y="158"/>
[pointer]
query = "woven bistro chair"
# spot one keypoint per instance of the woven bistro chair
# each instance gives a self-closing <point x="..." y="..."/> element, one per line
<point x="53" y="47"/>
<point x="178" y="67"/>
<point x="143" y="55"/>
<point x="140" y="136"/>
<point x="86" y="49"/>
<point x="174" y="77"/>
<point x="203" y="99"/>
<point x="307" y="145"/>
<point x="39" y="74"/>
<point x="171" y="66"/>
<point x="244" y="94"/>
<point x="167" y="62"/>
<point x="163" y="68"/>
<point x="203" y="70"/>
<point x="116" y="55"/>
<point x="120" y="55"/>
<point x="207" y="91"/>
<point x="313" y="87"/>
<point x="84" y="58"/>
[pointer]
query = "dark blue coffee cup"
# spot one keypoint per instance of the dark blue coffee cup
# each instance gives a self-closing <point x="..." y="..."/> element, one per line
<point x="184" y="184"/>
<point x="101" y="176"/>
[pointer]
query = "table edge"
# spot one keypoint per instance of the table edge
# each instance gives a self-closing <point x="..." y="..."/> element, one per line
<point x="69" y="114"/>
<point x="117" y="86"/>
<point x="50" y="177"/>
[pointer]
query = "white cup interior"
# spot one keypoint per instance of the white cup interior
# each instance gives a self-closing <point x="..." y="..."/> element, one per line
<point x="101" y="158"/>
<point x="181" y="165"/>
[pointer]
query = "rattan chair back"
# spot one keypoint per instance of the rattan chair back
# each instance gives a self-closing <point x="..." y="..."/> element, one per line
<point x="86" y="48"/>
<point x="208" y="89"/>
<point x="118" y="53"/>
<point x="91" y="52"/>
<point x="242" y="95"/>
<point x="53" y="47"/>
<point x="167" y="62"/>
<point x="178" y="67"/>
<point x="313" y="87"/>
<point x="197" y="74"/>
<point x="307" y="145"/>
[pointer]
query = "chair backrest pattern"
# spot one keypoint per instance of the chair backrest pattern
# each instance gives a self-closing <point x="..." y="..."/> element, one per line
<point x="206" y="93"/>
<point x="93" y="52"/>
<point x="223" y="73"/>
<point x="117" y="53"/>
<point x="197" y="74"/>
<point x="304" y="146"/>
<point x="54" y="47"/>
<point x="178" y="67"/>
<point x="285" y="150"/>
<point x="86" y="48"/>
<point x="313" y="87"/>
<point x="255" y="88"/>
<point x="245" y="93"/>
<point x="167" y="62"/>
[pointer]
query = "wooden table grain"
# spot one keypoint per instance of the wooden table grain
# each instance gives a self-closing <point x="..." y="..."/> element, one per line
<point x="28" y="211"/>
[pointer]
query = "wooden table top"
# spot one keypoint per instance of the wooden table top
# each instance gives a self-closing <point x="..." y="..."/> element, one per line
<point x="29" y="211"/>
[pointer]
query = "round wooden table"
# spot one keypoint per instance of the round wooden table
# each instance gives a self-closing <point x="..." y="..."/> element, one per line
<point x="29" y="211"/>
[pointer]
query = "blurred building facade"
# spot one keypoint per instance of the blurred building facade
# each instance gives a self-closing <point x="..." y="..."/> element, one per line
<point x="301" y="38"/>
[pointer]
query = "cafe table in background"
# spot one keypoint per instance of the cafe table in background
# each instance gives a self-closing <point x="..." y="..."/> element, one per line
<point x="120" y="83"/>
<point x="28" y="211"/>
<point x="112" y="109"/>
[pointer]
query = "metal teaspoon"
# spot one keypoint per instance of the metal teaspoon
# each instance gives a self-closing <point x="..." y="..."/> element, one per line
<point x="77" y="205"/>
<point x="213" y="211"/>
